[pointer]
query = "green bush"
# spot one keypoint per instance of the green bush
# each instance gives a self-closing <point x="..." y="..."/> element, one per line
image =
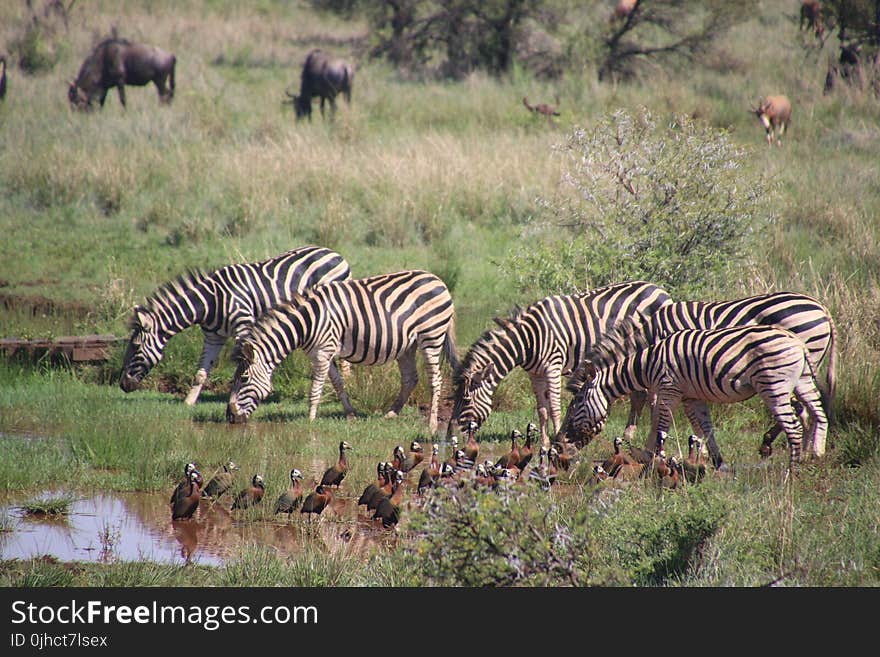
<point x="674" y="203"/>
<point x="506" y="537"/>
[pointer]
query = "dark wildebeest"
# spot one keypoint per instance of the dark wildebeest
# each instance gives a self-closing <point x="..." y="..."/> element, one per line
<point x="323" y="76"/>
<point x="774" y="112"/>
<point x="2" y="78"/>
<point x="118" y="62"/>
<point x="811" y="16"/>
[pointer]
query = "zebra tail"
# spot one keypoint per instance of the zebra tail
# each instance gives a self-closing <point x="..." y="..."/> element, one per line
<point x="449" y="346"/>
<point x="829" y="392"/>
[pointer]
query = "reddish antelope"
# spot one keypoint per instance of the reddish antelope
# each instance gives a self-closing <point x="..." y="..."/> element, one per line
<point x="774" y="112"/>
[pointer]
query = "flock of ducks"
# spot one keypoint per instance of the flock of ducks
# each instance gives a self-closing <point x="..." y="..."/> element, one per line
<point x="382" y="499"/>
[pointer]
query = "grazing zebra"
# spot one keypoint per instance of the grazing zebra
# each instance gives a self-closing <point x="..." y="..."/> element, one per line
<point x="369" y="320"/>
<point x="804" y="316"/>
<point x="694" y="367"/>
<point x="223" y="303"/>
<point x="547" y="339"/>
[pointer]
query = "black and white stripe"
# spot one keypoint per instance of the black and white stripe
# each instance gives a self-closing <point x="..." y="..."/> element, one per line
<point x="800" y="314"/>
<point x="224" y="303"/>
<point x="369" y="320"/>
<point x="694" y="367"/>
<point x="546" y="339"/>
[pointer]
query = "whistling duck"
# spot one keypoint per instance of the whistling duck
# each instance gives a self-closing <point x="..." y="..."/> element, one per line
<point x="462" y="462"/>
<point x="454" y="448"/>
<point x="185" y="506"/>
<point x="182" y="489"/>
<point x="334" y="475"/>
<point x="560" y="458"/>
<point x="290" y="500"/>
<point x="222" y="481"/>
<point x="525" y="452"/>
<point x="482" y="478"/>
<point x="416" y="456"/>
<point x="429" y="475"/>
<point x="385" y="489"/>
<point x="693" y="467"/>
<point x="472" y="447"/>
<point x="317" y="501"/>
<point x="617" y="459"/>
<point x="512" y="457"/>
<point x="251" y="495"/>
<point x="642" y="456"/>
<point x="388" y="510"/>
<point x="373" y="486"/>
<point x="397" y="457"/>
<point x="544" y="474"/>
<point x="669" y="476"/>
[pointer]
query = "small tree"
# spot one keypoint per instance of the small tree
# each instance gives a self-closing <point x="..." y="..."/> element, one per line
<point x="666" y="30"/>
<point x="673" y="204"/>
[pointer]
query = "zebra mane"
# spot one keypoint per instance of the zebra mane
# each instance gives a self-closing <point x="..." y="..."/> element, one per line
<point x="504" y="327"/>
<point x="264" y="323"/>
<point x="170" y="289"/>
<point x="626" y="337"/>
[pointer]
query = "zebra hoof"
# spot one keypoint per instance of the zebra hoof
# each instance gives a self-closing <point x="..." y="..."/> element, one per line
<point x="390" y="414"/>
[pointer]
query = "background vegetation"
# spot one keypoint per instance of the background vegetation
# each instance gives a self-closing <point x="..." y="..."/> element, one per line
<point x="433" y="168"/>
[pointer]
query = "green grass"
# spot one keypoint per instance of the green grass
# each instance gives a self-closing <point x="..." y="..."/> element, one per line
<point x="56" y="505"/>
<point x="98" y="210"/>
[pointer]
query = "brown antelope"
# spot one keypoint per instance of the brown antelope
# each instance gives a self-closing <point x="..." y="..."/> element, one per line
<point x="811" y="16"/>
<point x="774" y="112"/>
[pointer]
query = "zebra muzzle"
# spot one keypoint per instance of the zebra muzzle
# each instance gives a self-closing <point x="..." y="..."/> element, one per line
<point x="234" y="414"/>
<point x="129" y="383"/>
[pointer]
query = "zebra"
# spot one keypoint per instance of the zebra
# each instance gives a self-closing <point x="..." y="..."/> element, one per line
<point x="369" y="320"/>
<point x="547" y="339"/>
<point x="694" y="367"/>
<point x="223" y="302"/>
<point x="800" y="314"/>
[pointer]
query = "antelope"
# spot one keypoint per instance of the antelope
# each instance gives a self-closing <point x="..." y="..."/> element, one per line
<point x="774" y="112"/>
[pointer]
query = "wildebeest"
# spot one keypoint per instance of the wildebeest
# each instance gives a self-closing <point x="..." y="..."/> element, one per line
<point x="811" y="16"/>
<point x="774" y="112"/>
<point x="323" y="76"/>
<point x="117" y="62"/>
<point x="2" y="77"/>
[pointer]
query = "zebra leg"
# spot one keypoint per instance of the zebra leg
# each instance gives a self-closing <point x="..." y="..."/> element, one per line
<point x="210" y="351"/>
<point x="808" y="394"/>
<point x="409" y="377"/>
<point x="320" y="367"/>
<point x="432" y="363"/>
<point x="789" y="421"/>
<point x="541" y="386"/>
<point x="661" y="418"/>
<point x="697" y="412"/>
<point x="637" y="399"/>
<point x="336" y="380"/>
<point x="766" y="448"/>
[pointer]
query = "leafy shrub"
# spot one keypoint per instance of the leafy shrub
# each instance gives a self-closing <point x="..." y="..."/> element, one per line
<point x="673" y="203"/>
<point x="505" y="537"/>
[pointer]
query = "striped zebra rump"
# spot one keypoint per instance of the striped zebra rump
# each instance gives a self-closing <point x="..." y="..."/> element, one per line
<point x="223" y="302"/>
<point x="370" y="321"/>
<point x="694" y="367"/>
<point x="546" y="339"/>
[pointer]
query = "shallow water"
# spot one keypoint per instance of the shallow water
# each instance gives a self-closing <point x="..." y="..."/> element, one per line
<point x="137" y="527"/>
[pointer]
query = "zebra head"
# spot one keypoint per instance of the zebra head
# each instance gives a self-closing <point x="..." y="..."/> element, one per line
<point x="588" y="410"/>
<point x="252" y="382"/>
<point x="473" y="396"/>
<point x="144" y="348"/>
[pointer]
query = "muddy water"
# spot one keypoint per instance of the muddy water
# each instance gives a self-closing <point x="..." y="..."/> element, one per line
<point x="138" y="527"/>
